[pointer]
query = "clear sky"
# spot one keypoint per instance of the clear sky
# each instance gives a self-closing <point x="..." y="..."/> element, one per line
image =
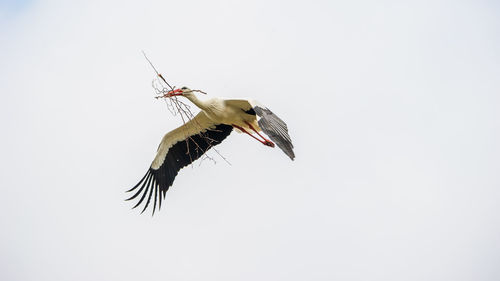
<point x="393" y="107"/>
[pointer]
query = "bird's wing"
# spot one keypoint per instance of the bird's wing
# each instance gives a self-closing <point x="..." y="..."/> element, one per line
<point x="268" y="122"/>
<point x="178" y="149"/>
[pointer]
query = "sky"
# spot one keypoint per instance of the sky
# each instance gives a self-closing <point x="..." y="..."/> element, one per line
<point x="392" y="107"/>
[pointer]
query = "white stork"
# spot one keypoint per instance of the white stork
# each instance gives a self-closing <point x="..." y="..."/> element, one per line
<point x="208" y="128"/>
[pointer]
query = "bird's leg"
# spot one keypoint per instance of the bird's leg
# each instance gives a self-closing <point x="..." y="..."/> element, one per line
<point x="265" y="142"/>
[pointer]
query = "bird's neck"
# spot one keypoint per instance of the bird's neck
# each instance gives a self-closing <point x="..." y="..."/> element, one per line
<point x="202" y="104"/>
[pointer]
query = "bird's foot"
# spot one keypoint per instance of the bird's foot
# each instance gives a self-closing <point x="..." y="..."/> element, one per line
<point x="268" y="143"/>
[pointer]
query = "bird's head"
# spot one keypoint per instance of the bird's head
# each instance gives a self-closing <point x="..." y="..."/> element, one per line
<point x="184" y="91"/>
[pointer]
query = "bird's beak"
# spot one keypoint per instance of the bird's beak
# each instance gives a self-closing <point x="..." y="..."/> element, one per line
<point x="176" y="92"/>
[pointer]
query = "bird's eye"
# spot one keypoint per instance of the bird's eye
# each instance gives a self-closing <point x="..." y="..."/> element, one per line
<point x="184" y="88"/>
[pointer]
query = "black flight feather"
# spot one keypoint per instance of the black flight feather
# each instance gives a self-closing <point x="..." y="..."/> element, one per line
<point x="178" y="156"/>
<point x="276" y="129"/>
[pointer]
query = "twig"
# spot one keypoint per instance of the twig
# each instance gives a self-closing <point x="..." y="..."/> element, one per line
<point x="178" y="107"/>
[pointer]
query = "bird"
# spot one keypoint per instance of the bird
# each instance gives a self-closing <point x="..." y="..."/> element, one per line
<point x="215" y="121"/>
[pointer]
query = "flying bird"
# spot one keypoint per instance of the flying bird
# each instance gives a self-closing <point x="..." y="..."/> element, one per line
<point x="216" y="120"/>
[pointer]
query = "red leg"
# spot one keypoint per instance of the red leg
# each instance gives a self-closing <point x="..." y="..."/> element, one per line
<point x="251" y="127"/>
<point x="265" y="142"/>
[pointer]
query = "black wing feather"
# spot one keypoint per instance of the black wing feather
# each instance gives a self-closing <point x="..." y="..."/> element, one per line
<point x="149" y="197"/>
<point x="178" y="156"/>
<point x="146" y="177"/>
<point x="276" y="129"/>
<point x="145" y="191"/>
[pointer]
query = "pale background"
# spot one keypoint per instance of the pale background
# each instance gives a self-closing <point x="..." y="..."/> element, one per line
<point x="393" y="107"/>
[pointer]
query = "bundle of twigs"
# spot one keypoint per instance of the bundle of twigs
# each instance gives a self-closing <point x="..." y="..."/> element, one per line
<point x="177" y="107"/>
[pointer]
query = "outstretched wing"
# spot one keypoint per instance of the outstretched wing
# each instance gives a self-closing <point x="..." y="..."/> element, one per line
<point x="178" y="149"/>
<point x="276" y="129"/>
<point x="269" y="123"/>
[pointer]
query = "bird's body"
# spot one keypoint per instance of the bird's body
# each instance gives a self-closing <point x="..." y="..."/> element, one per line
<point x="211" y="126"/>
<point x="227" y="111"/>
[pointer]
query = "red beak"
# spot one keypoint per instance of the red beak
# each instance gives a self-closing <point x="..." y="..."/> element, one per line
<point x="176" y="92"/>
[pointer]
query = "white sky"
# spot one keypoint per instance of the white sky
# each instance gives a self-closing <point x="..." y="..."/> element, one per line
<point x="393" y="107"/>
